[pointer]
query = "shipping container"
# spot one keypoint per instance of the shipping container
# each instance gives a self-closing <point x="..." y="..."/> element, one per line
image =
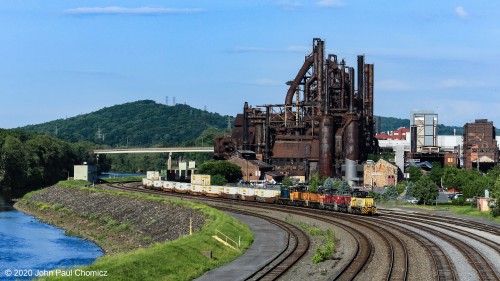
<point x="200" y="179"/>
<point x="153" y="175"/>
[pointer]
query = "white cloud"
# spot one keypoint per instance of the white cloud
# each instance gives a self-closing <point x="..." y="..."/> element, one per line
<point x="461" y="12"/>
<point x="330" y="3"/>
<point x="393" y="85"/>
<point x="130" y="11"/>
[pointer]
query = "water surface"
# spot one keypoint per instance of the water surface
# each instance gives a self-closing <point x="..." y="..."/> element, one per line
<point x="27" y="244"/>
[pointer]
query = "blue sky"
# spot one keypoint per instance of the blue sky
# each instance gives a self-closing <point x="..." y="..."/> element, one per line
<point x="63" y="58"/>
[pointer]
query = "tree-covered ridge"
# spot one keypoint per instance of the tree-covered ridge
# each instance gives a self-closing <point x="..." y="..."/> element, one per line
<point x="140" y="123"/>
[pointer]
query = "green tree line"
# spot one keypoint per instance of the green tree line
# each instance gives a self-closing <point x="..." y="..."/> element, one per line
<point x="32" y="160"/>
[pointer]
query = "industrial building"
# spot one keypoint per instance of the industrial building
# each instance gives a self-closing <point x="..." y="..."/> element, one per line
<point x="480" y="150"/>
<point x="423" y="128"/>
<point x="326" y="121"/>
<point x="477" y="148"/>
<point x="380" y="174"/>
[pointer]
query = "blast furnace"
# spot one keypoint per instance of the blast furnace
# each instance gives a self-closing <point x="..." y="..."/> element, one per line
<point x="325" y="122"/>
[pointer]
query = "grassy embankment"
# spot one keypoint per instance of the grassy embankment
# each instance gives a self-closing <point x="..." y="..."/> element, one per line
<point x="181" y="259"/>
<point x="123" y="179"/>
<point x="468" y="210"/>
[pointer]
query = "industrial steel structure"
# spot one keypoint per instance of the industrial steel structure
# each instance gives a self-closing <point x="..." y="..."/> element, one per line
<point x="423" y="126"/>
<point x="323" y="124"/>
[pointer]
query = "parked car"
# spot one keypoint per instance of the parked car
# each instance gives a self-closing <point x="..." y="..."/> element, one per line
<point x="412" y="200"/>
<point x="454" y="196"/>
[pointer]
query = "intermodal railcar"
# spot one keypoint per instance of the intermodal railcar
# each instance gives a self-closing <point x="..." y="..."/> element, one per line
<point x="355" y="202"/>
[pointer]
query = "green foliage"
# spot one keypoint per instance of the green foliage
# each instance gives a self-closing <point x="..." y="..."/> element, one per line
<point x="390" y="193"/>
<point x="181" y="259"/>
<point x="123" y="179"/>
<point x="436" y="173"/>
<point x="376" y="196"/>
<point x="388" y="156"/>
<point x="218" y="180"/>
<point x="409" y="190"/>
<point x="136" y="124"/>
<point x="230" y="171"/>
<point x="401" y="186"/>
<point x="391" y="123"/>
<point x="324" y="253"/>
<point x="415" y="174"/>
<point x="452" y="177"/>
<point x="314" y="182"/>
<point x="469" y="182"/>
<point x="340" y="185"/>
<point x="425" y="190"/>
<point x="32" y="160"/>
<point x="287" y="182"/>
<point x="131" y="163"/>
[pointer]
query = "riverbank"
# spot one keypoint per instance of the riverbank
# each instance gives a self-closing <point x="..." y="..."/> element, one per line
<point x="144" y="237"/>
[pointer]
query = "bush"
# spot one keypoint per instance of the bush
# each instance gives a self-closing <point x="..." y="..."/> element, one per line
<point x="495" y="211"/>
<point x="218" y="180"/>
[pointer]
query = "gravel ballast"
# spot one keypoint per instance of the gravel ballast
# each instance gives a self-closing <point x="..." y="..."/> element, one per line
<point x="117" y="223"/>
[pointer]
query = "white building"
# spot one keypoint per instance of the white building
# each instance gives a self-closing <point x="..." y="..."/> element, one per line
<point x="86" y="172"/>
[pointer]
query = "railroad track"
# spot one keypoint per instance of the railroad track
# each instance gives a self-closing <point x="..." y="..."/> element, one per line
<point x="443" y="267"/>
<point x="492" y="244"/>
<point x="297" y="245"/>
<point x="454" y="221"/>
<point x="482" y="266"/>
<point x="397" y="269"/>
<point x="357" y="262"/>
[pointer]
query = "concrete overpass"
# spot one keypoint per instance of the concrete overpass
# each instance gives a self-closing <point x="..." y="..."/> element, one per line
<point x="168" y="150"/>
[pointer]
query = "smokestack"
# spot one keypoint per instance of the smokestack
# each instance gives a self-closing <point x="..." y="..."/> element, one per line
<point x="361" y="78"/>
<point x="245" y="126"/>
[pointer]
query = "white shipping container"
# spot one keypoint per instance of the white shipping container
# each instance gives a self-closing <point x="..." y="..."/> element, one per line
<point x="183" y="187"/>
<point x="167" y="185"/>
<point x="196" y="188"/>
<point x="152" y="175"/>
<point x="158" y="184"/>
<point x="200" y="179"/>
<point x="267" y="193"/>
<point x="247" y="191"/>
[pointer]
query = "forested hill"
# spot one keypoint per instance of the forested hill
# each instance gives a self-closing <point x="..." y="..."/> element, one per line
<point x="140" y="123"/>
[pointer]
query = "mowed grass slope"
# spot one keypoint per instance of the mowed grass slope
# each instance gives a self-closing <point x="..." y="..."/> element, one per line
<point x="181" y="259"/>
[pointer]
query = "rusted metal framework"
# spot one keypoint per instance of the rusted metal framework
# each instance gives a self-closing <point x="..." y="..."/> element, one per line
<point x="323" y="122"/>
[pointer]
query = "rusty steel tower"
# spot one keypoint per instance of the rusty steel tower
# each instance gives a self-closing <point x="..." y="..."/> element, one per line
<point x="324" y="122"/>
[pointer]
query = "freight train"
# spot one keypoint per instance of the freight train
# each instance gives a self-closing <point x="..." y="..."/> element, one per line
<point x="355" y="202"/>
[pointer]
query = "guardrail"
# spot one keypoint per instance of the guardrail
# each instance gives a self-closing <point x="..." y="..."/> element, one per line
<point x="226" y="239"/>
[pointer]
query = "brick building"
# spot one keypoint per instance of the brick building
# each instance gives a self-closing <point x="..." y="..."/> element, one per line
<point x="480" y="147"/>
<point x="399" y="134"/>
<point x="380" y="174"/>
<point x="251" y="167"/>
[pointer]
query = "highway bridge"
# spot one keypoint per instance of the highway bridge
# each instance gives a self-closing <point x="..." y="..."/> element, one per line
<point x="168" y="150"/>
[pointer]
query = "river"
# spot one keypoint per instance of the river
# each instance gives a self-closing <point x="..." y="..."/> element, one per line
<point x="29" y="247"/>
